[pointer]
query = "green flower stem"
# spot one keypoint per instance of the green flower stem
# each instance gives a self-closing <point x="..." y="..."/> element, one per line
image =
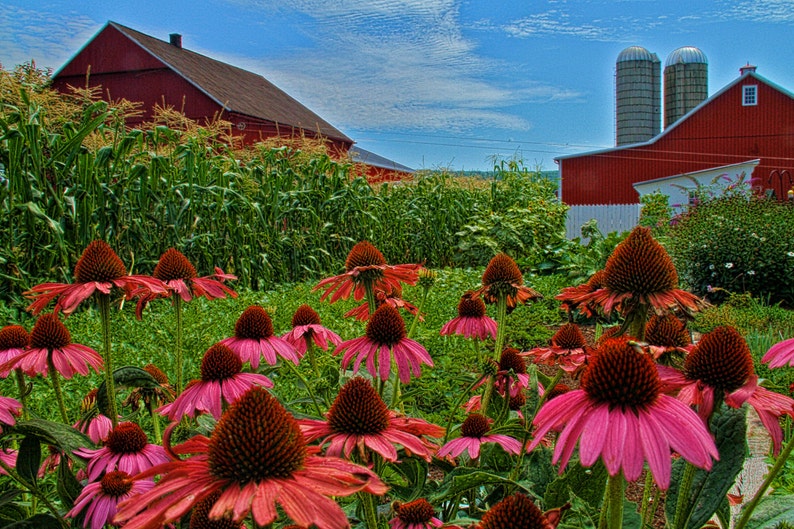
<point x="486" y="395"/>
<point x="550" y="387"/>
<point x="636" y="321"/>
<point x="370" y="510"/>
<point x="418" y="312"/>
<point x="456" y="406"/>
<point x="310" y="354"/>
<point x="23" y="392"/>
<point x="158" y="436"/>
<point x="104" y="314"/>
<point x="395" y="393"/>
<point x="178" y="351"/>
<point x="56" y="386"/>
<point x="645" y="509"/>
<point x="369" y="288"/>
<point x="501" y="327"/>
<point x="780" y="462"/>
<point x="681" y="517"/>
<point x="36" y="492"/>
<point x="307" y="386"/>
<point x="615" y="487"/>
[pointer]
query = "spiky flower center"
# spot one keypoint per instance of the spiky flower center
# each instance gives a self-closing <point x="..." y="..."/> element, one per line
<point x="13" y="337"/>
<point x="89" y="401"/>
<point x="569" y="336"/>
<point x="116" y="483"/>
<point x="415" y="512"/>
<point x="640" y="265"/>
<point x="558" y="390"/>
<point x="174" y="265"/>
<point x="49" y="333"/>
<point x="620" y="376"/>
<point x="666" y="331"/>
<point x="220" y="363"/>
<point x="199" y="518"/>
<point x="126" y="438"/>
<point x="386" y="326"/>
<point x="517" y="401"/>
<point x="475" y="425"/>
<point x="510" y="360"/>
<point x="254" y="324"/>
<point x="722" y="359"/>
<point x="255" y="440"/>
<point x="305" y="315"/>
<point x="502" y="269"/>
<point x="99" y="263"/>
<point x="156" y="373"/>
<point x="471" y="307"/>
<point x="358" y="409"/>
<point x="514" y="512"/>
<point x="364" y="254"/>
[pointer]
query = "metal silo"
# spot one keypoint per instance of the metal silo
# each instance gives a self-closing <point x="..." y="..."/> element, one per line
<point x="686" y="82"/>
<point x="637" y="95"/>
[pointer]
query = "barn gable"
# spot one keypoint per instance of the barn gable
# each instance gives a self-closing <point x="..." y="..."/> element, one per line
<point x="722" y="130"/>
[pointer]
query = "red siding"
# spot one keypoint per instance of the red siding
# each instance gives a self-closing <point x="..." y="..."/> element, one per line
<point x="721" y="132"/>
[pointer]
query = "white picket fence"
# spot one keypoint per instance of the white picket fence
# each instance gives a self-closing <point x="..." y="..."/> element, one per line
<point x="610" y="217"/>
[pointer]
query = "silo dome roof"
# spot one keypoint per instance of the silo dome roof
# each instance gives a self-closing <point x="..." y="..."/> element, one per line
<point x="686" y="54"/>
<point x="635" y="53"/>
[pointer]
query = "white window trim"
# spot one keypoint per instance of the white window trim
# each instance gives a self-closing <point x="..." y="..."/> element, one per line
<point x="753" y="88"/>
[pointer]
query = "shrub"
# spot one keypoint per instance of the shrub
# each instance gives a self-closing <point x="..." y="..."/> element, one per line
<point x="736" y="244"/>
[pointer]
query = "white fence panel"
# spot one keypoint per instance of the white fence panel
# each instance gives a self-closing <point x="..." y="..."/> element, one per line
<point x="610" y="217"/>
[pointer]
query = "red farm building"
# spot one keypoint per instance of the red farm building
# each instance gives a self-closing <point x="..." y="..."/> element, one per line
<point x="745" y="129"/>
<point x="130" y="65"/>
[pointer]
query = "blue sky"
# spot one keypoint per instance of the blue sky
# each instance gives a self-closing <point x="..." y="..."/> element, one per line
<point x="435" y="83"/>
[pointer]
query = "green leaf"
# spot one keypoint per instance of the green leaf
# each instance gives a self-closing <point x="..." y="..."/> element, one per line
<point x="68" y="487"/>
<point x="37" y="521"/>
<point x="771" y="511"/>
<point x="724" y="513"/>
<point x="585" y="483"/>
<point x="580" y="516"/>
<point x="29" y="458"/>
<point x="462" y="479"/>
<point x="710" y="488"/>
<point x="407" y="479"/>
<point x="61" y="436"/>
<point x="124" y="377"/>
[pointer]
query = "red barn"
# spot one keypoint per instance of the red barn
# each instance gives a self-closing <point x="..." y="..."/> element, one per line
<point x="131" y="65"/>
<point x="751" y="119"/>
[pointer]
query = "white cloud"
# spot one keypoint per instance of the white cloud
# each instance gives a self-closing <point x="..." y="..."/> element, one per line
<point x="397" y="64"/>
<point x="772" y="11"/>
<point x="50" y="40"/>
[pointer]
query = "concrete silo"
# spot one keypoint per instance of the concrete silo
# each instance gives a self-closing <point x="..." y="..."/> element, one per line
<point x="637" y="94"/>
<point x="685" y="82"/>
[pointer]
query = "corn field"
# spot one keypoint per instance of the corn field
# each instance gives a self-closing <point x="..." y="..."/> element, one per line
<point x="71" y="172"/>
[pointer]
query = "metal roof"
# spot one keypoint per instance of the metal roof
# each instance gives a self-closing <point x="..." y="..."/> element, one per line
<point x="686" y="55"/>
<point x="636" y="53"/>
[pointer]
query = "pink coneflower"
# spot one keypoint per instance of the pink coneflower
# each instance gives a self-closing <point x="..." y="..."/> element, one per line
<point x="98" y="269"/>
<point x="126" y="448"/>
<point x="151" y="396"/>
<point x="576" y="298"/>
<point x="474" y="433"/>
<point x="222" y="381"/>
<point x="567" y="350"/>
<point x="253" y="339"/>
<point x="385" y="336"/>
<point x="360" y="419"/>
<point x="511" y="375"/>
<point x="471" y="321"/>
<point x="179" y="274"/>
<point x="306" y="328"/>
<point x="417" y="514"/>
<point x="93" y="423"/>
<point x="393" y="298"/>
<point x="721" y="366"/>
<point x="780" y="354"/>
<point x="667" y="337"/>
<point x="640" y="272"/>
<point x="50" y="341"/>
<point x="99" y="500"/>
<point x="365" y="265"/>
<point x="13" y="341"/>
<point x="200" y="516"/>
<point x="257" y="458"/>
<point x="621" y="416"/>
<point x="9" y="458"/>
<point x="502" y="278"/>
<point x="9" y="410"/>
<point x="519" y="512"/>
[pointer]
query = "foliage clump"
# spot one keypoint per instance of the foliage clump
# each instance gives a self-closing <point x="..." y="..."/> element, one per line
<point x="736" y="244"/>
